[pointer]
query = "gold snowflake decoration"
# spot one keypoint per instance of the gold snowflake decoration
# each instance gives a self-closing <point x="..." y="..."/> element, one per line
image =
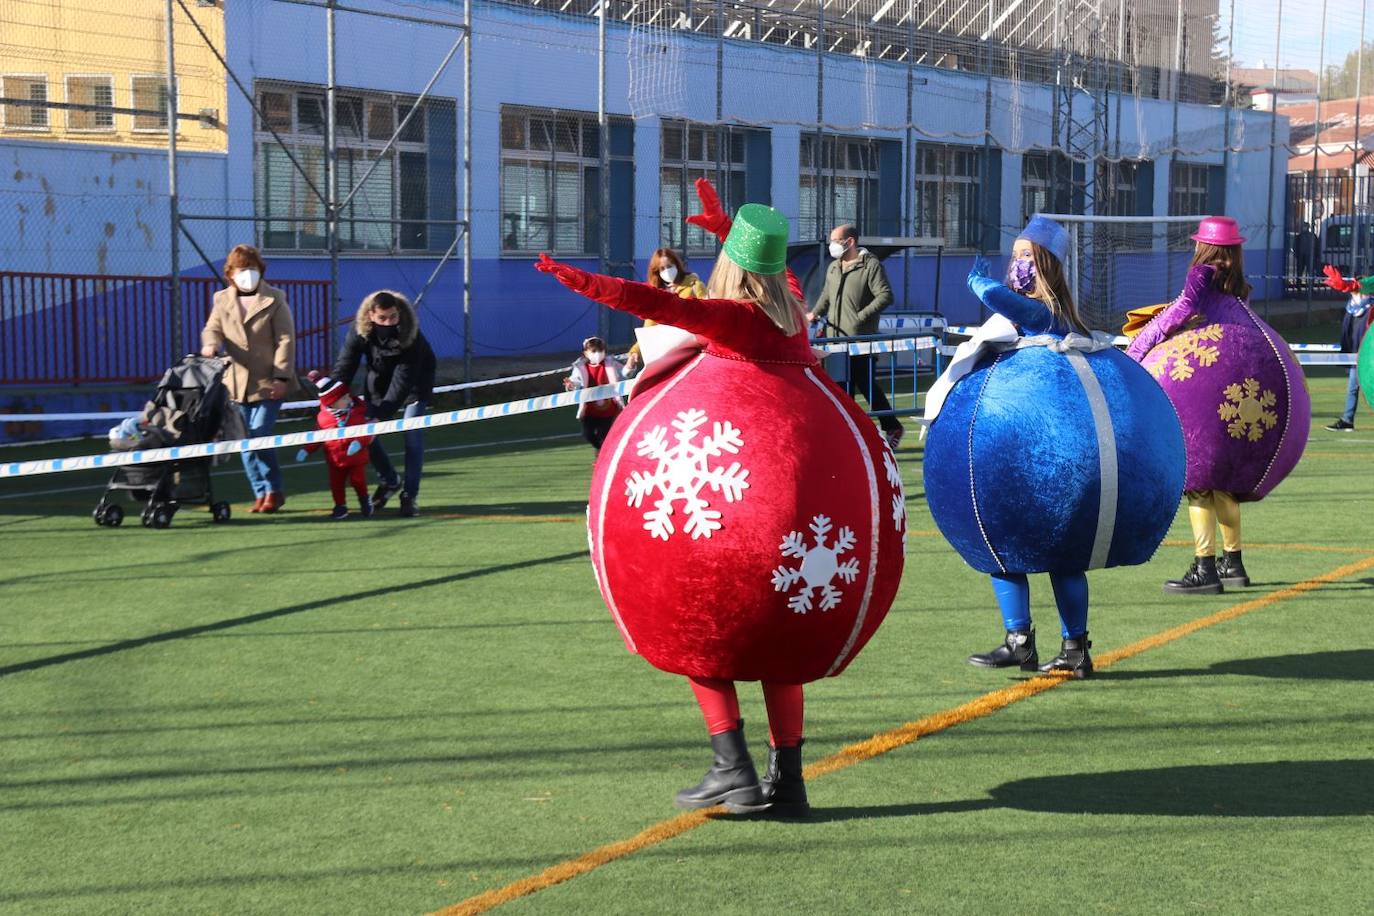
<point x="1176" y="355"/>
<point x="1246" y="410"/>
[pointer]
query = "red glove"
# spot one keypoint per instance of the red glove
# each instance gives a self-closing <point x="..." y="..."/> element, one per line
<point x="1339" y="283"/>
<point x="712" y="217"/>
<point x="593" y="286"/>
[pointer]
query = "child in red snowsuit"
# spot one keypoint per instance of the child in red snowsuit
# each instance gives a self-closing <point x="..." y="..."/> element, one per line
<point x="347" y="458"/>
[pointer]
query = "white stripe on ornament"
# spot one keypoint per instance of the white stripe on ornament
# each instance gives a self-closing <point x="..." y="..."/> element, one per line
<point x="1106" y="459"/>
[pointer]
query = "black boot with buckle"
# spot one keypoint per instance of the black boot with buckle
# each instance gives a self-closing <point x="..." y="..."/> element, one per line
<point x="1231" y="570"/>
<point x="731" y="781"/>
<point x="1200" y="579"/>
<point x="782" y="783"/>
<point x="1018" y="648"/>
<point x="1073" y="658"/>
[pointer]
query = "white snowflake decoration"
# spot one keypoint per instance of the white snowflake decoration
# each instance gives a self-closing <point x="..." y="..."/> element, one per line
<point x="819" y="567"/>
<point x="894" y="480"/>
<point x="683" y="472"/>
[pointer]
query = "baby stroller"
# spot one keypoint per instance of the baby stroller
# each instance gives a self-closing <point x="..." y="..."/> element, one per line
<point x="191" y="407"/>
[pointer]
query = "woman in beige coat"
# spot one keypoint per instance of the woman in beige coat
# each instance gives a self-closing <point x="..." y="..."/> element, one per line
<point x="252" y="323"/>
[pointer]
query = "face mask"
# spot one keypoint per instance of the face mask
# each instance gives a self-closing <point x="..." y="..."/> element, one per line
<point x="596" y="357"/>
<point x="386" y="332"/>
<point x="669" y="274"/>
<point x="837" y="250"/>
<point x="1022" y="275"/>
<point x="247" y="280"/>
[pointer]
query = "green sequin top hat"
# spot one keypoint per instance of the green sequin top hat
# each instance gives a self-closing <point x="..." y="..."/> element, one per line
<point x="758" y="240"/>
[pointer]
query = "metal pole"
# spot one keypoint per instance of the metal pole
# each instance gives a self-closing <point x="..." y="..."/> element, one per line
<point x="1178" y="85"/>
<point x="909" y="154"/>
<point x="984" y="167"/>
<point x="1226" y="108"/>
<point x="467" y="193"/>
<point x="1120" y="71"/>
<point x="818" y="151"/>
<point x="1273" y="153"/>
<point x="1357" y="208"/>
<point x="173" y="205"/>
<point x="1317" y="144"/>
<point x="331" y="164"/>
<point x="604" y="151"/>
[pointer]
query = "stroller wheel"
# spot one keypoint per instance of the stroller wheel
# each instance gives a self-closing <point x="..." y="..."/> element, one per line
<point x="113" y="516"/>
<point x="220" y="511"/>
<point x="162" y="517"/>
<point x="98" y="513"/>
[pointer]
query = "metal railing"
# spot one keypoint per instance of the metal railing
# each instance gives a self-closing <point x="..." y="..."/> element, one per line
<point x="69" y="329"/>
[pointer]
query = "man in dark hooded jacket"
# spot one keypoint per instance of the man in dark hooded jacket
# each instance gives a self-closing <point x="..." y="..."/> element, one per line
<point x="400" y="377"/>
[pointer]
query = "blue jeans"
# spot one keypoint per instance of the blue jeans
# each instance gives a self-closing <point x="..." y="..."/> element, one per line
<point x="415" y="455"/>
<point x="1070" y="595"/>
<point x="1352" y="395"/>
<point x="264" y="474"/>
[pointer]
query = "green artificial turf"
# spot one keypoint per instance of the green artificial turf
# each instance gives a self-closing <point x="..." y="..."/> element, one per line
<point x="291" y="715"/>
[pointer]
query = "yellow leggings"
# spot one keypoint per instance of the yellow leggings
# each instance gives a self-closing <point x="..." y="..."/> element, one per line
<point x="1206" y="510"/>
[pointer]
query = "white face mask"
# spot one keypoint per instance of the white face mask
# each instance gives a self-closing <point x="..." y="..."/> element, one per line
<point x="837" y="250"/>
<point x="247" y="280"/>
<point x="669" y="274"/>
<point x="596" y="358"/>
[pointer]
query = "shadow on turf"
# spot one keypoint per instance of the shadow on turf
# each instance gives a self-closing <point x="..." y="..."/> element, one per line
<point x="1287" y="788"/>
<point x="201" y="629"/>
<point x="1345" y="665"/>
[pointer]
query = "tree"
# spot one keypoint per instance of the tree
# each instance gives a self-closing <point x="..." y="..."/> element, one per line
<point x="1357" y="72"/>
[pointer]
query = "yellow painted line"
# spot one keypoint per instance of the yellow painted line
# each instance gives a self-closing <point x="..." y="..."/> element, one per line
<point x="881" y="744"/>
<point x="1299" y="548"/>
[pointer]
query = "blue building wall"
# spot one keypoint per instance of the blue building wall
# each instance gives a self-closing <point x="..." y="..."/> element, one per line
<point x="93" y="210"/>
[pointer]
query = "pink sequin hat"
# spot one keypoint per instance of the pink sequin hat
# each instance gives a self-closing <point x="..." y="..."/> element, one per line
<point x="1218" y="230"/>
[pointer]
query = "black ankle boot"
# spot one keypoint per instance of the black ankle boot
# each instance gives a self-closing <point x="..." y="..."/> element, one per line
<point x="1231" y="570"/>
<point x="1017" y="649"/>
<point x="1200" y="579"/>
<point x="1073" y="657"/>
<point x="731" y="781"/>
<point x="782" y="783"/>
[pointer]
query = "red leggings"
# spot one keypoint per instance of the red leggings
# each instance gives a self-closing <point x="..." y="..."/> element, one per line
<point x="339" y="475"/>
<point x="720" y="706"/>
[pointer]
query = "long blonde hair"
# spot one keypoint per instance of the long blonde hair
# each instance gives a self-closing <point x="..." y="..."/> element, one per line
<point x="768" y="292"/>
<point x="1052" y="288"/>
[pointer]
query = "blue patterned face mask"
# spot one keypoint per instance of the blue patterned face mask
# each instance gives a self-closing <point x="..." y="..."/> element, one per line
<point x="1021" y="276"/>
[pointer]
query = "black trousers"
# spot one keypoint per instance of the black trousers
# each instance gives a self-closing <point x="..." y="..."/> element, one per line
<point x="859" y="369"/>
<point x="595" y="430"/>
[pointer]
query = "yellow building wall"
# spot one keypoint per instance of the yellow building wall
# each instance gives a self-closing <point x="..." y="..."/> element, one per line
<point x="121" y="40"/>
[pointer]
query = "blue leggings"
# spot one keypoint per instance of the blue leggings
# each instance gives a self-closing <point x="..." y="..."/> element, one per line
<point x="1070" y="595"/>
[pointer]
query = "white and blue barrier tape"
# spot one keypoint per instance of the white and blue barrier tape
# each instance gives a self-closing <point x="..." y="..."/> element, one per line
<point x="209" y="449"/>
<point x="1307" y="354"/>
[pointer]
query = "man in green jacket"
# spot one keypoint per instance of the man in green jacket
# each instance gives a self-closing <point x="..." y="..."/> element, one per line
<point x="856" y="292"/>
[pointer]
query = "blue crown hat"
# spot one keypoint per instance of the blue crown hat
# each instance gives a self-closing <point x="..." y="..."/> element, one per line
<point x="1048" y="234"/>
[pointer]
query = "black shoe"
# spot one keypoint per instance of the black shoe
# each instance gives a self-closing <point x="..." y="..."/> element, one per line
<point x="1017" y="649"/>
<point x="1231" y="571"/>
<point x="365" y="508"/>
<point x="339" y="513"/>
<point x="782" y="783"/>
<point x="1200" y="579"/>
<point x="1073" y="658"/>
<point x="408" y="507"/>
<point x="1341" y="426"/>
<point x="384" y="492"/>
<point x="731" y="781"/>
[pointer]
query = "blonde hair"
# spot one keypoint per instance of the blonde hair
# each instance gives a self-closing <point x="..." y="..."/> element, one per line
<point x="1052" y="288"/>
<point x="768" y="291"/>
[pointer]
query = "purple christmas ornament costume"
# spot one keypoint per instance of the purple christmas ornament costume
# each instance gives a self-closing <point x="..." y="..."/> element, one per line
<point x="1239" y="392"/>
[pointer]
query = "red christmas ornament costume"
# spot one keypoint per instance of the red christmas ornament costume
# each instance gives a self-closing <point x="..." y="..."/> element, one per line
<point x="343" y="467"/>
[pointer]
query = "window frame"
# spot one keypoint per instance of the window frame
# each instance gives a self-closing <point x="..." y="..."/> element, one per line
<point x="824" y="178"/>
<point x="1200" y="169"/>
<point x="67" y="89"/>
<point x="133" y="97"/>
<point x="721" y="172"/>
<point x="970" y="237"/>
<point x="353" y="161"/>
<point x="5" y="124"/>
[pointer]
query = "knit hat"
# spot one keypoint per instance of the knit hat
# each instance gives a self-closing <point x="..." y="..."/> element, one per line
<point x="758" y="240"/>
<point x="1045" y="232"/>
<point x="330" y="389"/>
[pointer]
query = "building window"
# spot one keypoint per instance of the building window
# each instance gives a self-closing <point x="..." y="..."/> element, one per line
<point x="1036" y="185"/>
<point x="414" y="180"/>
<point x="1188" y="189"/>
<point x="551" y="180"/>
<point x="839" y="185"/>
<point x="25" y="117"/>
<point x="1118" y="186"/>
<point x="150" y="94"/>
<point x="947" y="196"/>
<point x="691" y="151"/>
<point x="95" y="91"/>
